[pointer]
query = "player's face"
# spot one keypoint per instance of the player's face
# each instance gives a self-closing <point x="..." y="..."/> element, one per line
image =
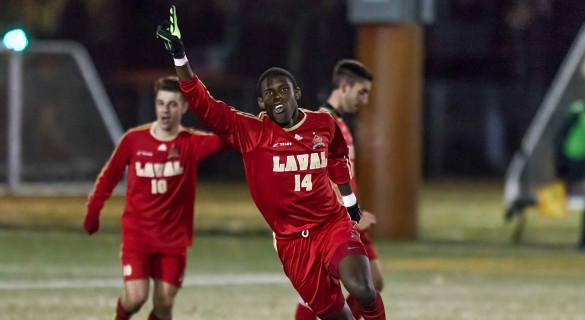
<point x="355" y="96"/>
<point x="279" y="100"/>
<point x="170" y="106"/>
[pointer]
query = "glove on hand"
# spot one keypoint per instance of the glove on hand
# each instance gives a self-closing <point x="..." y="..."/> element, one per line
<point x="354" y="212"/>
<point x="92" y="222"/>
<point x="168" y="32"/>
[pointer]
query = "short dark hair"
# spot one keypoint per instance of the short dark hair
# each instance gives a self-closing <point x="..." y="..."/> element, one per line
<point x="168" y="83"/>
<point x="351" y="70"/>
<point x="275" y="71"/>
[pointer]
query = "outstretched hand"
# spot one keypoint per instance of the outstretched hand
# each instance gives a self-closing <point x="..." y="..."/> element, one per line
<point x="92" y="222"/>
<point x="168" y="31"/>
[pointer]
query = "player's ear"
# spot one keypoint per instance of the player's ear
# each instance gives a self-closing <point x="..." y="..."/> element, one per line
<point x="344" y="85"/>
<point x="184" y="105"/>
<point x="298" y="93"/>
<point x="261" y="103"/>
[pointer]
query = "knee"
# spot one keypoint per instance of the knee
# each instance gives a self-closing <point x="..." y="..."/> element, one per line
<point x="163" y="302"/>
<point x="377" y="275"/>
<point x="364" y="293"/>
<point x="378" y="284"/>
<point x="133" y="301"/>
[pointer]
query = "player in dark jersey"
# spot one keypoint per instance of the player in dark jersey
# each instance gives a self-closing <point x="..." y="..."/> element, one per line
<point x="351" y="85"/>
<point x="157" y="224"/>
<point x="290" y="156"/>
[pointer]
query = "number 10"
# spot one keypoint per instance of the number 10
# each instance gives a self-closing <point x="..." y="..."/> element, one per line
<point x="158" y="186"/>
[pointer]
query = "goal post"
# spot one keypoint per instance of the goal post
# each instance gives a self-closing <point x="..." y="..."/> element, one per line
<point x="60" y="126"/>
<point x="533" y="165"/>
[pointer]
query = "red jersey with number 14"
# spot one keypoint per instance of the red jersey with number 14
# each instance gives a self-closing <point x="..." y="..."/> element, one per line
<point x="288" y="169"/>
<point x="160" y="194"/>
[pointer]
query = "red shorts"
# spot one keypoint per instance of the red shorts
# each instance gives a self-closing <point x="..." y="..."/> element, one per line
<point x="367" y="241"/>
<point x="310" y="262"/>
<point x="165" y="264"/>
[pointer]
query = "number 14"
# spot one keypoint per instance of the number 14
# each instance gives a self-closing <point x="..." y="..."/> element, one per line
<point x="306" y="183"/>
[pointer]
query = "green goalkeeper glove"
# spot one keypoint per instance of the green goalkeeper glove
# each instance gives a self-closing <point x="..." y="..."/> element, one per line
<point x="169" y="32"/>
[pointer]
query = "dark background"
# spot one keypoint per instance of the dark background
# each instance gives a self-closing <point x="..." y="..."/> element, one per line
<point x="488" y="64"/>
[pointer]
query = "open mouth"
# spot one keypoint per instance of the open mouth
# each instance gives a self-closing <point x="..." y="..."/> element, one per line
<point x="165" y="119"/>
<point x="279" y="108"/>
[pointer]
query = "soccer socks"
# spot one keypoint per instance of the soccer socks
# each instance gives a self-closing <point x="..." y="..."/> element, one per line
<point x="304" y="313"/>
<point x="152" y="316"/>
<point x="122" y="314"/>
<point x="354" y="306"/>
<point x="374" y="311"/>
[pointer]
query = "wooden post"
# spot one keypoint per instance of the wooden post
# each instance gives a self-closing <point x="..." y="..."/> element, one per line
<point x="389" y="129"/>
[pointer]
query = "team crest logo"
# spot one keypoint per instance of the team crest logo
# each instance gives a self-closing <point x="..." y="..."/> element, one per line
<point x="174" y="153"/>
<point x="317" y="142"/>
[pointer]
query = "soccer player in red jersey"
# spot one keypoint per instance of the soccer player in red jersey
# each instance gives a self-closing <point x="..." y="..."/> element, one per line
<point x="290" y="156"/>
<point x="351" y="83"/>
<point x="157" y="224"/>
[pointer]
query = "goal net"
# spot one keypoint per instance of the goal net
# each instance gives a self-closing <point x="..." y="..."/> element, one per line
<point x="60" y="127"/>
<point x="534" y="165"/>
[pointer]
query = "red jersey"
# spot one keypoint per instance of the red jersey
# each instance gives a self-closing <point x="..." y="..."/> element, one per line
<point x="364" y="235"/>
<point x="288" y="169"/>
<point x="348" y="140"/>
<point x="160" y="194"/>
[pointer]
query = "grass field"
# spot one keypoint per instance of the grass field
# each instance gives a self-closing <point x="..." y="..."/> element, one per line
<point x="463" y="266"/>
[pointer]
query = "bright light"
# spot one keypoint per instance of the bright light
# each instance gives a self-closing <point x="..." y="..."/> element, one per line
<point x="15" y="39"/>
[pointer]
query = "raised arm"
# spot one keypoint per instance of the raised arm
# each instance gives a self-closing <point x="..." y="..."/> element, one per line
<point x="239" y="129"/>
<point x="168" y="31"/>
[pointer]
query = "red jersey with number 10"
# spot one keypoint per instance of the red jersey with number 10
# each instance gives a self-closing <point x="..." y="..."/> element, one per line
<point x="160" y="194"/>
<point x="288" y="169"/>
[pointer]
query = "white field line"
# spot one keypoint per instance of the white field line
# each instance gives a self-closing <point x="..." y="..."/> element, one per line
<point x="200" y="280"/>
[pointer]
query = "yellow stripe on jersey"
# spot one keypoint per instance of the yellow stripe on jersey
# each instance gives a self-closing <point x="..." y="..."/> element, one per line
<point x="322" y="111"/>
<point x="219" y="101"/>
<point x="197" y="132"/>
<point x="139" y="128"/>
<point x="249" y="115"/>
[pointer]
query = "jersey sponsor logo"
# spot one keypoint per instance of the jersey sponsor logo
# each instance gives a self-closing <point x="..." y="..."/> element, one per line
<point x="282" y="144"/>
<point x="162" y="147"/>
<point x="317" y="142"/>
<point x="299" y="138"/>
<point x="144" y="153"/>
<point x="300" y="162"/>
<point x="152" y="170"/>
